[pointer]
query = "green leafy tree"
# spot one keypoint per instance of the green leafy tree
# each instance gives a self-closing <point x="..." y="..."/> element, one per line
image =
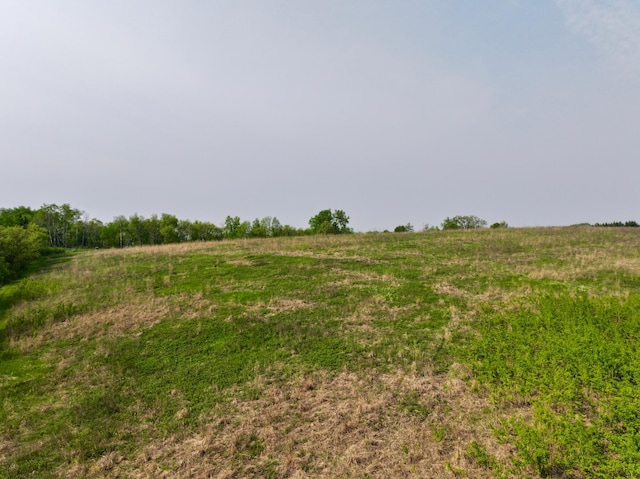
<point x="321" y="223"/>
<point x="197" y="231"/>
<point x="20" y="216"/>
<point x="183" y="230"/>
<point x="18" y="247"/>
<point x="110" y="234"/>
<point x="232" y="227"/>
<point x="124" y="237"/>
<point x="169" y="229"/>
<point x="501" y="224"/>
<point x="463" y="223"/>
<point x="266" y="227"/>
<point x="137" y="230"/>
<point x="288" y="230"/>
<point x="91" y="233"/>
<point x="209" y="231"/>
<point x="203" y="231"/>
<point x="328" y="222"/>
<point x="341" y="222"/>
<point x="403" y="228"/>
<point x="450" y="224"/>
<point x="152" y="226"/>
<point x="258" y="229"/>
<point x="62" y="224"/>
<point x="269" y="225"/>
<point x="276" y="227"/>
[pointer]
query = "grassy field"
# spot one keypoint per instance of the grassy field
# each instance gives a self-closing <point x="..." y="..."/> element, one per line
<point x="479" y="354"/>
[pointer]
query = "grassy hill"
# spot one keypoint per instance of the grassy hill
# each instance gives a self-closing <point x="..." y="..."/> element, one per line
<point x="491" y="353"/>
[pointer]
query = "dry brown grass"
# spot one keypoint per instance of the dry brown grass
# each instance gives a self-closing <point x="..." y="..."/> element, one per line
<point x="322" y="425"/>
<point x="277" y="306"/>
<point x="138" y="312"/>
<point x="122" y="319"/>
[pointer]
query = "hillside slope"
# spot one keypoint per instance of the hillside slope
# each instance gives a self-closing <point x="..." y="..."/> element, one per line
<point x="493" y="353"/>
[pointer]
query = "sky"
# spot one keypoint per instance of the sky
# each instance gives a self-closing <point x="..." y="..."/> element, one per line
<point x="395" y="111"/>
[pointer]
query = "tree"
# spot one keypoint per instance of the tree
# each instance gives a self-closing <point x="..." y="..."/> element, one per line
<point x="122" y="226"/>
<point x="169" y="229"/>
<point x="137" y="230"/>
<point x="20" y="216"/>
<point x="92" y="232"/>
<point x="501" y="224"/>
<point x="276" y="227"/>
<point x="258" y="229"/>
<point x="232" y="227"/>
<point x="328" y="222"/>
<point x="265" y="228"/>
<point x="152" y="226"/>
<point x="341" y="222"/>
<point x="18" y="247"/>
<point x="288" y="230"/>
<point x="403" y="228"/>
<point x="183" y="230"/>
<point x="60" y="222"/>
<point x="463" y="223"/>
<point x="321" y="223"/>
<point x="207" y="231"/>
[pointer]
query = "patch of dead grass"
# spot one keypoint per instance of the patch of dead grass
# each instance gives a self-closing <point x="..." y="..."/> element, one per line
<point x="277" y="306"/>
<point x="323" y="425"/>
<point x="126" y="317"/>
<point x="449" y="289"/>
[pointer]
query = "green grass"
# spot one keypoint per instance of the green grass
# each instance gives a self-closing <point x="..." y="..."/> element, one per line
<point x="575" y="360"/>
<point x="106" y="354"/>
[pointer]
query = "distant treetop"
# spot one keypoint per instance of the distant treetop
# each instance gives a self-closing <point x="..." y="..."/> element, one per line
<point x="328" y="222"/>
<point x="617" y="224"/>
<point x="463" y="223"/>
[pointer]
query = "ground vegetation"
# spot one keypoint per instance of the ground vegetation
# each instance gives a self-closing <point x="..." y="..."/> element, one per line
<point x="488" y="353"/>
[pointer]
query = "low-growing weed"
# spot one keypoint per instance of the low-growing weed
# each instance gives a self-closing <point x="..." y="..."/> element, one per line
<point x="575" y="360"/>
<point x="480" y="455"/>
<point x="412" y="405"/>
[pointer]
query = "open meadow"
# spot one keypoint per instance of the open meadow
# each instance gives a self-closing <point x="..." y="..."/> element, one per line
<point x="479" y="354"/>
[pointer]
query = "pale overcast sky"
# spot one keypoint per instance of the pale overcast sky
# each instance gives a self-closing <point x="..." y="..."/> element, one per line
<point x="395" y="111"/>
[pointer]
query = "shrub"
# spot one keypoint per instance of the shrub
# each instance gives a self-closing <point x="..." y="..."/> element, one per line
<point x="463" y="223"/>
<point x="501" y="224"/>
<point x="403" y="228"/>
<point x="18" y="247"/>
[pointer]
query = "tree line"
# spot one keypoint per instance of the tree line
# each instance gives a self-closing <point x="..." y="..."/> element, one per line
<point x="460" y="222"/>
<point x="619" y="224"/>
<point x="26" y="233"/>
<point x="68" y="227"/>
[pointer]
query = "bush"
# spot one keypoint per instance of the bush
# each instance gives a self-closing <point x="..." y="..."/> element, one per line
<point x="501" y="224"/>
<point x="18" y="247"/>
<point x="403" y="228"/>
<point x="463" y="223"/>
